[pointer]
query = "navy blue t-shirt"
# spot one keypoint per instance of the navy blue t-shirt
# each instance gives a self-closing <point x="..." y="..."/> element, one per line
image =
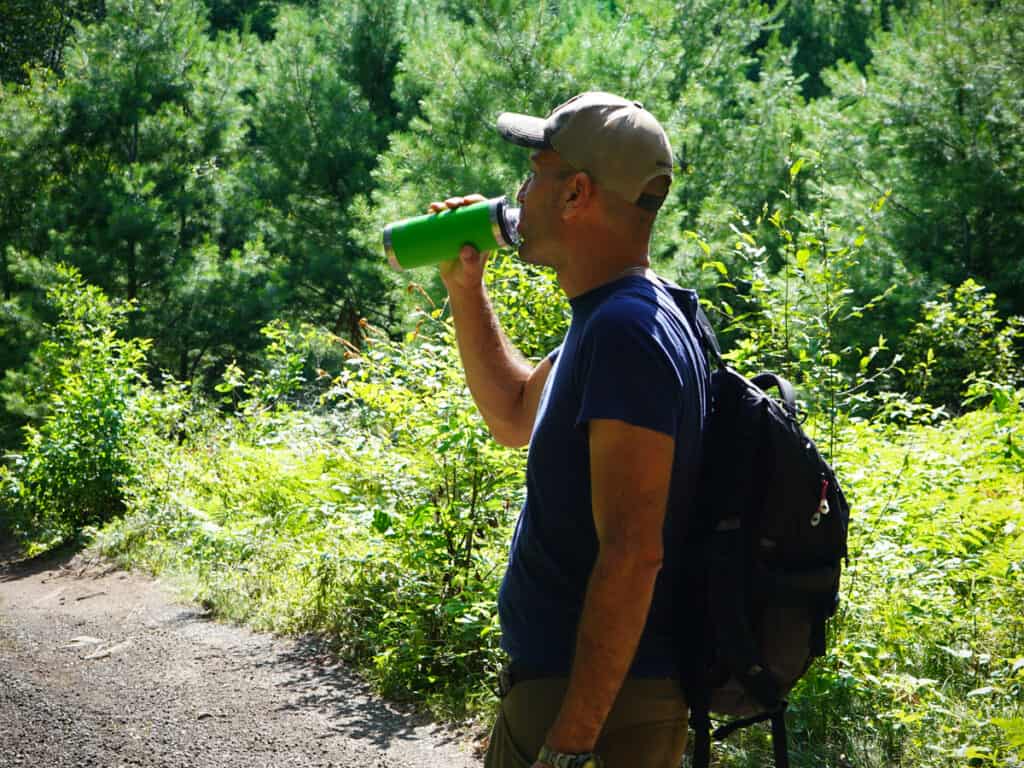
<point x="628" y="355"/>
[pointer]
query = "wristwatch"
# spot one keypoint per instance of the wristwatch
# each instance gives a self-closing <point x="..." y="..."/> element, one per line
<point x="548" y="756"/>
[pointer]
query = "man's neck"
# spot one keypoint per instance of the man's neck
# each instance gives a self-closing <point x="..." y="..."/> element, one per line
<point x="587" y="269"/>
<point x="598" y="253"/>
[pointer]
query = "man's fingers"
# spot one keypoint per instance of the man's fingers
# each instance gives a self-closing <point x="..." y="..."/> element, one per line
<point x="455" y="202"/>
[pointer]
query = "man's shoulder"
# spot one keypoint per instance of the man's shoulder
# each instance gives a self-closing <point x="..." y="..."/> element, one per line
<point x="638" y="305"/>
<point x="635" y="301"/>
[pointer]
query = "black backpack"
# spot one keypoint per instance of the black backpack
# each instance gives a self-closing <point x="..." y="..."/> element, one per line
<point x="764" y="546"/>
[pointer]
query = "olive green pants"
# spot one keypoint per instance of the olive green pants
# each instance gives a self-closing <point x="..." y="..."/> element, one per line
<point x="646" y="727"/>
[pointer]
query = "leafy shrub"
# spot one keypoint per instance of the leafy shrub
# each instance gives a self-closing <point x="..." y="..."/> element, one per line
<point x="780" y="291"/>
<point x="533" y="310"/>
<point x="74" y="465"/>
<point x="378" y="519"/>
<point x="959" y="336"/>
<point x="423" y="602"/>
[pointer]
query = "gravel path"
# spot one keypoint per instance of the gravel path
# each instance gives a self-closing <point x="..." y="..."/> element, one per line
<point x="100" y="667"/>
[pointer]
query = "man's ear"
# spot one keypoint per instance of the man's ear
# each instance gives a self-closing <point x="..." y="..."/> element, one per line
<point x="577" y="195"/>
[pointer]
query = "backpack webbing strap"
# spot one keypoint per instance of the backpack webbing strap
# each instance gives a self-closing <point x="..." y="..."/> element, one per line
<point x="778" y="720"/>
<point x="700" y="721"/>
<point x="725" y="731"/>
<point x="779" y="737"/>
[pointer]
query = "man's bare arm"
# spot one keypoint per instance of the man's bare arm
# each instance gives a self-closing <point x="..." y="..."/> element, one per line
<point x="505" y="387"/>
<point x="630" y="469"/>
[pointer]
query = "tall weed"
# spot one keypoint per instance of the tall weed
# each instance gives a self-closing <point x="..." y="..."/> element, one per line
<point x="74" y="466"/>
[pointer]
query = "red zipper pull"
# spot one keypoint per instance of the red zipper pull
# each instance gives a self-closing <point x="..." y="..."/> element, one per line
<point x="823" y="501"/>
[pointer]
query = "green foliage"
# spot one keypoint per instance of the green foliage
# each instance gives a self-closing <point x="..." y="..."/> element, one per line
<point x="534" y="312"/>
<point x="123" y="172"/>
<point x="74" y="467"/>
<point x="938" y="124"/>
<point x="380" y="523"/>
<point x="959" y="339"/>
<point x="34" y="32"/>
<point x="281" y="377"/>
<point x="735" y="138"/>
<point x="315" y="139"/>
<point x="780" y="293"/>
<point x="430" y="620"/>
<point x="928" y="643"/>
<point x="838" y="162"/>
<point x="256" y="16"/>
<point x="825" y="31"/>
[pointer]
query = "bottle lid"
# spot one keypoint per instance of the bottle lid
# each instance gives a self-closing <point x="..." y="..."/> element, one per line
<point x="505" y="223"/>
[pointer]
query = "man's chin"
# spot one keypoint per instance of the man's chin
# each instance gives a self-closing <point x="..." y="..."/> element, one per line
<point x="529" y="256"/>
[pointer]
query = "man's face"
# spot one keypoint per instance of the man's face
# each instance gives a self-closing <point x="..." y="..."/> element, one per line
<point x="540" y="199"/>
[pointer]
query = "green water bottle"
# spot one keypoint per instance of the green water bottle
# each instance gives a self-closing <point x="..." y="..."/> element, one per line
<point x="434" y="237"/>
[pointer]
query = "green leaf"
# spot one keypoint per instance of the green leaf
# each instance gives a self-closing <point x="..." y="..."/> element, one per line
<point x="795" y="168"/>
<point x="1013" y="730"/>
<point x="694" y="236"/>
<point x="984" y="691"/>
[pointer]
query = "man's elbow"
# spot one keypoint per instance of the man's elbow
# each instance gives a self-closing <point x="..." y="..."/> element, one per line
<point x="641" y="560"/>
<point x="509" y="435"/>
<point x="511" y="429"/>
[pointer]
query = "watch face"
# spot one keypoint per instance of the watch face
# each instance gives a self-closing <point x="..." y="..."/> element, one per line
<point x="560" y="760"/>
<point x="586" y="761"/>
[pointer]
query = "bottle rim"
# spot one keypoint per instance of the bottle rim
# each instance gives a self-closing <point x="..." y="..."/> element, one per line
<point x="504" y="235"/>
<point x="389" y="248"/>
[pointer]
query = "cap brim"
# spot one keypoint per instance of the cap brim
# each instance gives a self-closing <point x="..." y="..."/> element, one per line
<point x="524" y="130"/>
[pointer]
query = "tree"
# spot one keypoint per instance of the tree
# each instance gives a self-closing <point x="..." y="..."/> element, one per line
<point x="937" y="126"/>
<point x="256" y="16"/>
<point x="146" y="127"/>
<point x="826" y="31"/>
<point x="321" y="116"/>
<point x="34" y="32"/>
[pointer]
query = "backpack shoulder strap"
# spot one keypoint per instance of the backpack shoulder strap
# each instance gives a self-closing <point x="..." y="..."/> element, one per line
<point x="697" y="320"/>
<point x="707" y="337"/>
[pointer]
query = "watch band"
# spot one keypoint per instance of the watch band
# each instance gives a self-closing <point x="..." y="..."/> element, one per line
<point x="548" y="756"/>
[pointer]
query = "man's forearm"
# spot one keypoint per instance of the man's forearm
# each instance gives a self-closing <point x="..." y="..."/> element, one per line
<point x="495" y="372"/>
<point x="614" y="613"/>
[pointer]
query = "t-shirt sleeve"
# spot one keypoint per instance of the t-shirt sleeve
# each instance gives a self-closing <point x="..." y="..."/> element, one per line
<point x="627" y="373"/>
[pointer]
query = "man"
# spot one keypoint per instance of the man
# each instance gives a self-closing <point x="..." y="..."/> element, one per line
<point x="614" y="419"/>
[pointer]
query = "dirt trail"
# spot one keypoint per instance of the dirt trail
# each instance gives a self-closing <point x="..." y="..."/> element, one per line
<point x="100" y="667"/>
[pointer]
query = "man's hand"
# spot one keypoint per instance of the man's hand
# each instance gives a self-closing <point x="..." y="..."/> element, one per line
<point x="467" y="271"/>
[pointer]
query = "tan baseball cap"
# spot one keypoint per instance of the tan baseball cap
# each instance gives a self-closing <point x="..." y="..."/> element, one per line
<point x="615" y="140"/>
